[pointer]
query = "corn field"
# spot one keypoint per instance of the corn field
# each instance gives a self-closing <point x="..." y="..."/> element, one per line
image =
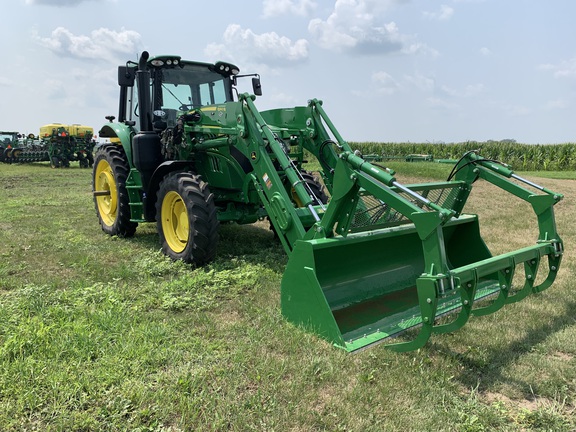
<point x="522" y="157"/>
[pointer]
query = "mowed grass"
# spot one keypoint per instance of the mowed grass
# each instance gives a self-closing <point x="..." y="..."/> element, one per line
<point x="101" y="333"/>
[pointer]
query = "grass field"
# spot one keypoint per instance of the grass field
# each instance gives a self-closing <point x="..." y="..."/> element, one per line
<point x="101" y="333"/>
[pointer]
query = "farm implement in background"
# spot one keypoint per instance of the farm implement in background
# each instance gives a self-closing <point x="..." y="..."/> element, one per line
<point x="15" y="147"/>
<point x="407" y="158"/>
<point x="375" y="259"/>
<point x="68" y="143"/>
<point x="59" y="144"/>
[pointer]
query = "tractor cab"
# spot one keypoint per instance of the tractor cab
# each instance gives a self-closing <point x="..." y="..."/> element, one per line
<point x="176" y="86"/>
<point x="8" y="138"/>
<point x="7" y="141"/>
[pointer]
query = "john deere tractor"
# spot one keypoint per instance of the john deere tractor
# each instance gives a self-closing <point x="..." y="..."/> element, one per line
<point x="189" y="151"/>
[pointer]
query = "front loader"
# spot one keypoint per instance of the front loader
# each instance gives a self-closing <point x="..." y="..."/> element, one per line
<point x="377" y="258"/>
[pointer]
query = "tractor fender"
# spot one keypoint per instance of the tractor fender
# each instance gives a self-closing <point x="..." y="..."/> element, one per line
<point x="121" y="132"/>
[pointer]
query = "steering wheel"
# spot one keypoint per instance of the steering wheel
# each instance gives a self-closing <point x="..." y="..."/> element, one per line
<point x="186" y="107"/>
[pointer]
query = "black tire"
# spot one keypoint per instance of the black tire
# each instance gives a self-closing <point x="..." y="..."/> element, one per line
<point x="315" y="186"/>
<point x="111" y="197"/>
<point x="186" y="218"/>
<point x="82" y="160"/>
<point x="55" y="162"/>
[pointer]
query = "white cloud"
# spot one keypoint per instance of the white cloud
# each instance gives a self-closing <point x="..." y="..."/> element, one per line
<point x="94" y="89"/>
<point x="444" y="14"/>
<point x="485" y="51"/>
<point x="63" y="3"/>
<point x="385" y="82"/>
<point x="546" y="67"/>
<point x="5" y="82"/>
<point x="274" y="8"/>
<point x="556" y="104"/>
<point x="517" y="110"/>
<point x="435" y="102"/>
<point x="470" y="90"/>
<point x="419" y="48"/>
<point x="358" y="26"/>
<point x="267" y="48"/>
<point x="565" y="69"/>
<point x="440" y="92"/>
<point x="283" y="99"/>
<point x="102" y="43"/>
<point x="421" y="82"/>
<point x="55" y="89"/>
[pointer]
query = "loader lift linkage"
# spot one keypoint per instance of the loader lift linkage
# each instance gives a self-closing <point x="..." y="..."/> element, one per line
<point x="376" y="259"/>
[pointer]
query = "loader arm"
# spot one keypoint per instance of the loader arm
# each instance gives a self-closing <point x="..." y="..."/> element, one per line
<point x="260" y="144"/>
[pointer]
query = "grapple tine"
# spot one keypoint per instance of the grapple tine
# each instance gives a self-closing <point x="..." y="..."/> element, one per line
<point x="553" y="265"/>
<point x="467" y="296"/>
<point x="530" y="272"/>
<point x="505" y="277"/>
<point x="428" y="300"/>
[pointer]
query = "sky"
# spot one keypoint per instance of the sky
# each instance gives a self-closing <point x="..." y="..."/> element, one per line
<point x="386" y="70"/>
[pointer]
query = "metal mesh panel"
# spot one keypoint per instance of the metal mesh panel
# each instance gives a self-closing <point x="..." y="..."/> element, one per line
<point x="373" y="211"/>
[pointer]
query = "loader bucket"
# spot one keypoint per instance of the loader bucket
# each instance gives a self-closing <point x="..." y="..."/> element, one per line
<point x="363" y="289"/>
<point x="359" y="290"/>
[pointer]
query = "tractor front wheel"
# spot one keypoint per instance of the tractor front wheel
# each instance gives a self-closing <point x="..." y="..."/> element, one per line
<point x="110" y="195"/>
<point x="313" y="186"/>
<point x="186" y="218"/>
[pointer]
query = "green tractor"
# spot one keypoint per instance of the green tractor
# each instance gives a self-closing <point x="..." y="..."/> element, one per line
<point x="8" y="141"/>
<point x="20" y="148"/>
<point x="188" y="151"/>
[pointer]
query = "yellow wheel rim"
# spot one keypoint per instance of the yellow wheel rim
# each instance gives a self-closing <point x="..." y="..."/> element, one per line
<point x="296" y="198"/>
<point x="175" y="223"/>
<point x="107" y="204"/>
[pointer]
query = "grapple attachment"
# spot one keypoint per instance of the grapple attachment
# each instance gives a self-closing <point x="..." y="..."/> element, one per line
<point x="386" y="257"/>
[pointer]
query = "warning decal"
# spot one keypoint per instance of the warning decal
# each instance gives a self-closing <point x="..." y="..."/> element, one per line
<point x="267" y="180"/>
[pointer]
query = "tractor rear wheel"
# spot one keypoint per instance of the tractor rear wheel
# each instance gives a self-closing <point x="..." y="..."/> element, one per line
<point x="110" y="195"/>
<point x="186" y="218"/>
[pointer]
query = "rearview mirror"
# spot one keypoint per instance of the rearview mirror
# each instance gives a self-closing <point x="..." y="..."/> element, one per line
<point x="256" y="86"/>
<point x="126" y="76"/>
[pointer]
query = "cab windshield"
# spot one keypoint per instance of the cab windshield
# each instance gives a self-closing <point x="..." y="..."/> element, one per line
<point x="7" y="137"/>
<point x="190" y="87"/>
